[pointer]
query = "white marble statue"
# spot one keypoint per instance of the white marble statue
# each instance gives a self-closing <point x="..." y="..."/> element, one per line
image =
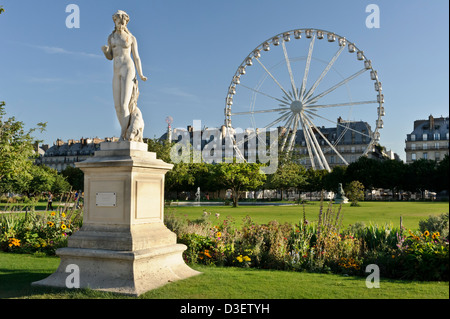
<point x="121" y="44"/>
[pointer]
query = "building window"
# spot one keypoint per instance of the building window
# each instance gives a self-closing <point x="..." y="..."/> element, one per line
<point x="436" y="146"/>
<point x="332" y="159"/>
<point x="425" y="155"/>
<point x="413" y="137"/>
<point x="425" y="137"/>
<point x="413" y="156"/>
<point x="437" y="136"/>
<point x="413" y="147"/>
<point x="425" y="146"/>
<point x="437" y="156"/>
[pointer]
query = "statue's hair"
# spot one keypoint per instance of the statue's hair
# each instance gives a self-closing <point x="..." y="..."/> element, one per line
<point x="120" y="12"/>
<point x="127" y="18"/>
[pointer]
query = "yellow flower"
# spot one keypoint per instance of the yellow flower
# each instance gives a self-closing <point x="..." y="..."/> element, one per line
<point x="51" y="224"/>
<point x="239" y="258"/>
<point x="393" y="256"/>
<point x="63" y="215"/>
<point x="437" y="234"/>
<point x="14" y="242"/>
<point x="63" y="227"/>
<point x="219" y="234"/>
<point x="246" y="258"/>
<point x="206" y="253"/>
<point x="53" y="214"/>
<point x="426" y="233"/>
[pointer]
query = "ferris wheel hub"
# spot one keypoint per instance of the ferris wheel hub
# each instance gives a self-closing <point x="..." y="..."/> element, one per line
<point x="296" y="106"/>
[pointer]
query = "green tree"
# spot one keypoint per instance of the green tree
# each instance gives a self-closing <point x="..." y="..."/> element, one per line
<point x="43" y="179"/>
<point x="60" y="185"/>
<point x="16" y="149"/>
<point x="315" y="179"/>
<point x="239" y="177"/>
<point x="179" y="179"/>
<point x="366" y="170"/>
<point x="392" y="175"/>
<point x="355" y="192"/>
<point x="75" y="177"/>
<point x="337" y="175"/>
<point x="203" y="174"/>
<point x="161" y="148"/>
<point x="421" y="175"/>
<point x="442" y="175"/>
<point x="288" y="175"/>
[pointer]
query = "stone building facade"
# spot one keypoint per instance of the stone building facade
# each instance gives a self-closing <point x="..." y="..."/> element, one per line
<point x="63" y="154"/>
<point x="428" y="140"/>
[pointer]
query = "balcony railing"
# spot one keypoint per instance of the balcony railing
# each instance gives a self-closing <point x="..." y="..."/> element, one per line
<point x="428" y="148"/>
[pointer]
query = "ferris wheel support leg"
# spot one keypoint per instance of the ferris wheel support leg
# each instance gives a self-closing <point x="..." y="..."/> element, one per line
<point x="321" y="157"/>
<point x="285" y="137"/>
<point x="308" y="146"/>
<point x="314" y="155"/>
<point x="294" y="133"/>
<point x="327" y="141"/>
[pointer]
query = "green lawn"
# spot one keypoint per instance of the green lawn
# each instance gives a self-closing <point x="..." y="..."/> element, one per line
<point x="17" y="272"/>
<point x="40" y="206"/>
<point x="369" y="212"/>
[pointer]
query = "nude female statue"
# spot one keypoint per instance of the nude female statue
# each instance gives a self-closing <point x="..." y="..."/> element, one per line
<point x="121" y="43"/>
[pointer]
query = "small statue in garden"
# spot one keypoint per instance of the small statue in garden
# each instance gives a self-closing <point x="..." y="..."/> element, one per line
<point x="340" y="196"/>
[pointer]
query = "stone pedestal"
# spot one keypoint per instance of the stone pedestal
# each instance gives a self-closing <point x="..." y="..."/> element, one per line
<point x="123" y="245"/>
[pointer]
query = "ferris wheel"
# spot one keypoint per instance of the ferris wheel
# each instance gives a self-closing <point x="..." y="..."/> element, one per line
<point x="301" y="81"/>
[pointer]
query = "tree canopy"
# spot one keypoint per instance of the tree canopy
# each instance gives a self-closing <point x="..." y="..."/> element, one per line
<point x="239" y="177"/>
<point x="16" y="148"/>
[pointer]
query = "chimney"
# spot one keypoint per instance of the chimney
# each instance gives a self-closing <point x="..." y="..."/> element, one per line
<point x="431" y="119"/>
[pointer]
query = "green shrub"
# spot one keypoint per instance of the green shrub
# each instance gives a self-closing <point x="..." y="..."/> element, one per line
<point x="435" y="224"/>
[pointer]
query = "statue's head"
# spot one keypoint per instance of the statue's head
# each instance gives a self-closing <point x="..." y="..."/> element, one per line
<point x="120" y="19"/>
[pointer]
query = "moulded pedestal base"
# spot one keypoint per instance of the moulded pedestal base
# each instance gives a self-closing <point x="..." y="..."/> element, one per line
<point x="125" y="272"/>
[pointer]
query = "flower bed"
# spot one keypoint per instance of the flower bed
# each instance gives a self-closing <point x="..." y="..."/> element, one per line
<point x="318" y="247"/>
<point x="38" y="232"/>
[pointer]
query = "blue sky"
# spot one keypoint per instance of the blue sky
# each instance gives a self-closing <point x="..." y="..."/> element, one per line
<point x="190" y="51"/>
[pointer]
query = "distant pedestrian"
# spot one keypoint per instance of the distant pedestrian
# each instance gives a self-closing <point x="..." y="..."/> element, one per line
<point x="78" y="197"/>
<point x="50" y="201"/>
